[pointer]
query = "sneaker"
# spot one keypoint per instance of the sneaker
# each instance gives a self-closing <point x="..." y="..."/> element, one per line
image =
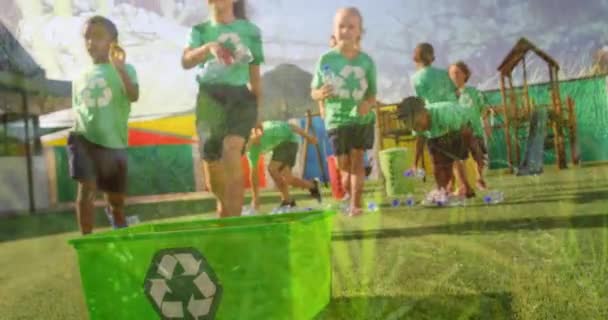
<point x="315" y="192"/>
<point x="286" y="205"/>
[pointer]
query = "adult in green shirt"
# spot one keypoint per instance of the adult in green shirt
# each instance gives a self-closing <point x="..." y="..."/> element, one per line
<point x="227" y="51"/>
<point x="471" y="99"/>
<point x="282" y="139"/>
<point x="101" y="100"/>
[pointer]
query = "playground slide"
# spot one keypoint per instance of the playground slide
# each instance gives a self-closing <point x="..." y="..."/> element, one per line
<point x="532" y="163"/>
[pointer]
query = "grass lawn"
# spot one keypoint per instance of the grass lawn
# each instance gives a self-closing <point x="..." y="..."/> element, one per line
<point x="542" y="254"/>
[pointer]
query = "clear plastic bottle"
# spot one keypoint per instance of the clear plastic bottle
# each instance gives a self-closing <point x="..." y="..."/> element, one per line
<point x="418" y="174"/>
<point x="248" y="211"/>
<point x="372" y="206"/>
<point x="133" y="220"/>
<point x="242" y="55"/>
<point x="409" y="201"/>
<point x="329" y="77"/>
<point x="494" y="197"/>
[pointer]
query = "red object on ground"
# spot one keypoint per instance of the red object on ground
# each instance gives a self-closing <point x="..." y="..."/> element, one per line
<point x="334" y="178"/>
<point x="261" y="172"/>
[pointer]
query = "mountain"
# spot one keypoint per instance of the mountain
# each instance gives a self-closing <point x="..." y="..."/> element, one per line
<point x="286" y="93"/>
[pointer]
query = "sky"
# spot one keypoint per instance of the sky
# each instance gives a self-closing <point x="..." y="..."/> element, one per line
<point x="480" y="32"/>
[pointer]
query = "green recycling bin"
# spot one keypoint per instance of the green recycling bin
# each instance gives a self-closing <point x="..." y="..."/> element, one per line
<point x="394" y="162"/>
<point x="256" y="267"/>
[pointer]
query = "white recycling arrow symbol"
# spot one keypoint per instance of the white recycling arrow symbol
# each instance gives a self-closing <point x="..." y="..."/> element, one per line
<point x="196" y="300"/>
<point x="343" y="91"/>
<point x="97" y="93"/>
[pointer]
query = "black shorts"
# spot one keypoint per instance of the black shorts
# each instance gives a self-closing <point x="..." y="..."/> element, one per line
<point x="368" y="133"/>
<point x="286" y="154"/>
<point x="351" y="137"/>
<point x="221" y="111"/>
<point x="91" y="162"/>
<point x="450" y="147"/>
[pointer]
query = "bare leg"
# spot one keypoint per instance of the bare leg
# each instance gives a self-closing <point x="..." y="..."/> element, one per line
<point x="279" y="181"/>
<point x="233" y="176"/>
<point x="357" y="177"/>
<point x="214" y="179"/>
<point x="85" y="204"/>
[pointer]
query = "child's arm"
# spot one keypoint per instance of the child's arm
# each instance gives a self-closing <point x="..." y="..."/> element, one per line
<point x="255" y="83"/>
<point x="195" y="56"/>
<point x="322" y="109"/>
<point x="310" y="138"/>
<point x="322" y="93"/>
<point x="255" y="189"/>
<point x="367" y="105"/>
<point x="118" y="58"/>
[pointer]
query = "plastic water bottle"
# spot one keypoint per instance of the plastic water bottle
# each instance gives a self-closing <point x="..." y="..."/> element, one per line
<point x="395" y="203"/>
<point x="212" y="70"/>
<point x="133" y="220"/>
<point x="409" y="201"/>
<point x="248" y="211"/>
<point x="494" y="197"/>
<point x="372" y="206"/>
<point x="242" y="55"/>
<point x="329" y="77"/>
<point x="418" y="174"/>
<point x="109" y="215"/>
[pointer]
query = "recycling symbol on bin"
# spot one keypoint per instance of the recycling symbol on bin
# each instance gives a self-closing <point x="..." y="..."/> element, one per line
<point x="180" y="284"/>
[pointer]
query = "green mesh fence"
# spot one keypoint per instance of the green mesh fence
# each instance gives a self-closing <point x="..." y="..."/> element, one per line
<point x="591" y="108"/>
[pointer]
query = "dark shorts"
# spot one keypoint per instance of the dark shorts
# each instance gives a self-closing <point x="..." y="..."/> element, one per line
<point x="368" y="133"/>
<point x="286" y="154"/>
<point x="448" y="148"/>
<point x="351" y="137"/>
<point x="91" y="162"/>
<point x="221" y="111"/>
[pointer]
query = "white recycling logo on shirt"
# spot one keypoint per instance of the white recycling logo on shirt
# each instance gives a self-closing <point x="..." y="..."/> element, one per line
<point x="180" y="284"/>
<point x="343" y="91"/>
<point x="466" y="100"/>
<point x="97" y="93"/>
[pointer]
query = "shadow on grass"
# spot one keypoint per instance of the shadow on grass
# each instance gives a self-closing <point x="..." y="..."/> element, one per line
<point x="45" y="224"/>
<point x="476" y="227"/>
<point x="493" y="306"/>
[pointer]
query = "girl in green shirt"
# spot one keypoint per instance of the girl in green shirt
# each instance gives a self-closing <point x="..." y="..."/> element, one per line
<point x="345" y="80"/>
<point x="227" y="51"/>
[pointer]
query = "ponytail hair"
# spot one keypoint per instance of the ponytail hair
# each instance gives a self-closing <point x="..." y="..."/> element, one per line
<point x="239" y="7"/>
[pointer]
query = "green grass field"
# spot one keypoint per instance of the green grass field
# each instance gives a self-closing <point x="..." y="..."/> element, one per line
<point x="543" y="254"/>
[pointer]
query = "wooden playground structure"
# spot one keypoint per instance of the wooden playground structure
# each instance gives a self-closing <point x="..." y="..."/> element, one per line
<point x="517" y="107"/>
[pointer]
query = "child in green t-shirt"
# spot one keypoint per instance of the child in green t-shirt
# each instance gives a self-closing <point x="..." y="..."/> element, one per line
<point x="227" y="51"/>
<point x="282" y="139"/>
<point x="430" y="83"/>
<point x="444" y="127"/>
<point x="345" y="80"/>
<point x="473" y="100"/>
<point x="101" y="101"/>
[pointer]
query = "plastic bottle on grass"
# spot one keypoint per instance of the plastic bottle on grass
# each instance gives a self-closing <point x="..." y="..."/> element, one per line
<point x="409" y="201"/>
<point x="133" y="220"/>
<point x="494" y="197"/>
<point x="415" y="174"/>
